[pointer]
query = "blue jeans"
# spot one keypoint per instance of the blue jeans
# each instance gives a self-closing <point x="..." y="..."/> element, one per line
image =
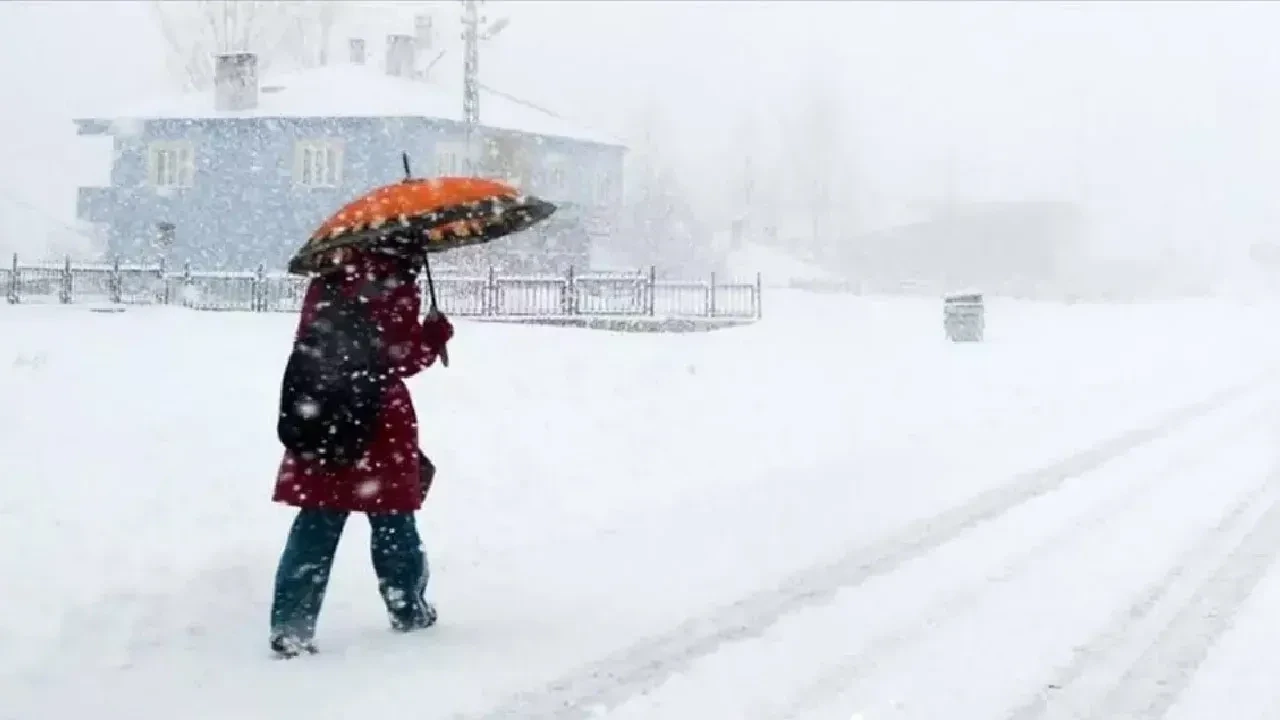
<point x="303" y="574"/>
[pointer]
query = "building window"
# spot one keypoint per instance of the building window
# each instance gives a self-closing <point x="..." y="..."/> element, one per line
<point x="604" y="189"/>
<point x="553" y="173"/>
<point x="452" y="160"/>
<point x="446" y="163"/>
<point x="318" y="163"/>
<point x="171" y="164"/>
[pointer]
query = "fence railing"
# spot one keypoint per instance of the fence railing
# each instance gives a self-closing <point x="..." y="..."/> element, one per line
<point x="634" y="294"/>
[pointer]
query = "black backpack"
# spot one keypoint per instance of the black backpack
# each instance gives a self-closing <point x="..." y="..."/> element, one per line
<point x="331" y="393"/>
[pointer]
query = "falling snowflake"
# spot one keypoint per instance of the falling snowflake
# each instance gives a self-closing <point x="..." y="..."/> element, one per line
<point x="395" y="598"/>
<point x="368" y="488"/>
<point x="306" y="409"/>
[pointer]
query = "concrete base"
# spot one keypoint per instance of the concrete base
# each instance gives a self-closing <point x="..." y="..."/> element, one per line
<point x="616" y="323"/>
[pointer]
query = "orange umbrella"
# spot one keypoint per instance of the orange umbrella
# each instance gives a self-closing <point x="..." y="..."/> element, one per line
<point x="424" y="215"/>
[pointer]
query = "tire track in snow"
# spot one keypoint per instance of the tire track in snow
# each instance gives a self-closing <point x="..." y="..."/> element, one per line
<point x="836" y="679"/>
<point x="1070" y="691"/>
<point x="1165" y="670"/>
<point x="590" y="690"/>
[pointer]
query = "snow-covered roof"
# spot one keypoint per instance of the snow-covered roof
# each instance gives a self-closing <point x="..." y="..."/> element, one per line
<point x="366" y="91"/>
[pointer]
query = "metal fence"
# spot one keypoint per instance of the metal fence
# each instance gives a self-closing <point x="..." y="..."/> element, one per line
<point x="633" y="295"/>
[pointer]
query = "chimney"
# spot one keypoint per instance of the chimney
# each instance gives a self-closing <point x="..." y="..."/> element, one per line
<point x="357" y="50"/>
<point x="422" y="32"/>
<point x="235" y="82"/>
<point x="400" y="55"/>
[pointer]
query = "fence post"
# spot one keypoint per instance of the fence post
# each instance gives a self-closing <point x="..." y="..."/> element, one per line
<point x="187" y="281"/>
<point x="64" y="295"/>
<point x="12" y="294"/>
<point x="569" y="301"/>
<point x="711" y="297"/>
<point x="259" y="293"/>
<point x="490" y="304"/>
<point x="653" y="288"/>
<point x="759" y="296"/>
<point x="163" y="271"/>
<point x="116" y="293"/>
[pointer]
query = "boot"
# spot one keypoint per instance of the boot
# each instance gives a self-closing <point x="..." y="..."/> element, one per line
<point x="407" y="619"/>
<point x="287" y="647"/>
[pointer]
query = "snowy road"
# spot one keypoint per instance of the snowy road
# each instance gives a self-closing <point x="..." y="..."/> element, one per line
<point x="1004" y="607"/>
<point x="784" y="522"/>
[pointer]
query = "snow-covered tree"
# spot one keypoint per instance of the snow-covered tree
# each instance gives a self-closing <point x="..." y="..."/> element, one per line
<point x="820" y="177"/>
<point x="750" y="161"/>
<point x="740" y="163"/>
<point x="296" y="34"/>
<point x="659" y="224"/>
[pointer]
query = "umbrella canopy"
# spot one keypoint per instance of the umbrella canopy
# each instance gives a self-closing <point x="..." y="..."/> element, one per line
<point x="423" y="216"/>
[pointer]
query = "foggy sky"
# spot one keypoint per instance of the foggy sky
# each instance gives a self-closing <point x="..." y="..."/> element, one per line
<point x="1159" y="117"/>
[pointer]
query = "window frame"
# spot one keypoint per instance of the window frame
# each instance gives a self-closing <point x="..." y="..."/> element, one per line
<point x="171" y="164"/>
<point x="455" y="152"/>
<point x="554" y="175"/>
<point x="323" y="176"/>
<point x="603" y="188"/>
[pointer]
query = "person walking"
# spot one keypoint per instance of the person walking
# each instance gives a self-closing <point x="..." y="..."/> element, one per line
<point x="351" y="436"/>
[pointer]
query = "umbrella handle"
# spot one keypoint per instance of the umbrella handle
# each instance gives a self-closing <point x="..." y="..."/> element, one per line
<point x="435" y="305"/>
<point x="431" y="286"/>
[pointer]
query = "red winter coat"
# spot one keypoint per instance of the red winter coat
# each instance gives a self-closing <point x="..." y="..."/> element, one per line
<point x="386" y="479"/>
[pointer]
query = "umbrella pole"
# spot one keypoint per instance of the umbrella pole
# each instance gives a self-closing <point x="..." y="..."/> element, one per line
<point x="435" y="305"/>
<point x="431" y="286"/>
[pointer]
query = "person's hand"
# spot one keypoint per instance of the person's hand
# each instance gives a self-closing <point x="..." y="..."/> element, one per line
<point x="436" y="330"/>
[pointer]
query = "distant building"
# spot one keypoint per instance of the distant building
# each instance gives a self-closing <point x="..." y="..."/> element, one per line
<point x="1007" y="248"/>
<point x="244" y="174"/>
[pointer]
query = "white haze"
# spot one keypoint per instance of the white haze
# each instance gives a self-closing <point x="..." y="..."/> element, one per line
<point x="1159" y="119"/>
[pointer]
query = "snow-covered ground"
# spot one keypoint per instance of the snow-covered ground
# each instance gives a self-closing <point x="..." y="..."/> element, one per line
<point x="833" y="513"/>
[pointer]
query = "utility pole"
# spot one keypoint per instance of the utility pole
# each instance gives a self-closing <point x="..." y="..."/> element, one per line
<point x="471" y="72"/>
<point x="744" y="223"/>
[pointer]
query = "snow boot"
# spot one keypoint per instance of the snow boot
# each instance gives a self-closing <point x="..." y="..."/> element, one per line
<point x="287" y="647"/>
<point x="407" y="619"/>
<point x="402" y="570"/>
